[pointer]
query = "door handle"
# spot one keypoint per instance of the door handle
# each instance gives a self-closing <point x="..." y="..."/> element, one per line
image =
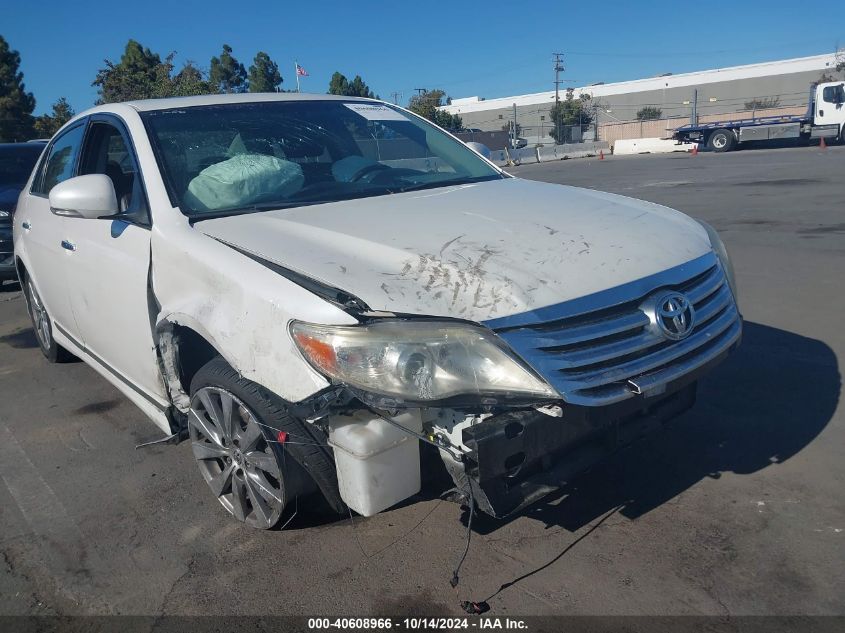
<point x="68" y="246"/>
<point x="26" y="226"/>
<point x="821" y="112"/>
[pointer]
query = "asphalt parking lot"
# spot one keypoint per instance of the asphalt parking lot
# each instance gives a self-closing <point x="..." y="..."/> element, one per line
<point x="736" y="508"/>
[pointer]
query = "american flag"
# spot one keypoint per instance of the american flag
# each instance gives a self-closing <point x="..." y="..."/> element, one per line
<point x="300" y="71"/>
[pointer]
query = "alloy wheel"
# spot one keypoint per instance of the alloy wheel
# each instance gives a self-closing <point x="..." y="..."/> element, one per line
<point x="235" y="458"/>
<point x="40" y="319"/>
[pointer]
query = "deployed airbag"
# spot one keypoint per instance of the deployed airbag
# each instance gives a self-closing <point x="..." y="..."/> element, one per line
<point x="242" y="180"/>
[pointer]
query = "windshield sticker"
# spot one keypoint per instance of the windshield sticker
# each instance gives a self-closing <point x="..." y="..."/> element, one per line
<point x="375" y="112"/>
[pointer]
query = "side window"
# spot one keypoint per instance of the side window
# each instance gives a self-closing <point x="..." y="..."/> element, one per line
<point x="106" y="152"/>
<point x="61" y="161"/>
<point x="834" y="94"/>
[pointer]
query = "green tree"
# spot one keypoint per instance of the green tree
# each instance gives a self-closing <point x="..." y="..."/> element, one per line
<point x="48" y="124"/>
<point x="264" y="74"/>
<point x="649" y="113"/>
<point x="840" y="68"/>
<point x="16" y="104"/>
<point x="340" y="85"/>
<point x="227" y="73"/>
<point x="187" y="82"/>
<point x="142" y="74"/>
<point x="568" y="115"/>
<point x="427" y="104"/>
<point x="135" y="76"/>
<point x="840" y="61"/>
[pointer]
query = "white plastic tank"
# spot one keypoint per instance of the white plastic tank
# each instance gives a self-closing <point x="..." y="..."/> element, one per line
<point x="378" y="465"/>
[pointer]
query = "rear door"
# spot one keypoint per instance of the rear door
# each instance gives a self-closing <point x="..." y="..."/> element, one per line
<point x="43" y="231"/>
<point x="108" y="269"/>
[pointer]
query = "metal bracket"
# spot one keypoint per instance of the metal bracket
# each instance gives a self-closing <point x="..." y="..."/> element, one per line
<point x="438" y="440"/>
<point x="170" y="439"/>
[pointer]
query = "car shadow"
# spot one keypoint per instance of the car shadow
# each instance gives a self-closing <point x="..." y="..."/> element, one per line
<point x="20" y="339"/>
<point x="763" y="405"/>
<point x="777" y="144"/>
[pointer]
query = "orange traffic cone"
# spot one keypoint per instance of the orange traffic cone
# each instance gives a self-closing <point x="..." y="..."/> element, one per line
<point x="601" y="154"/>
<point x="822" y="144"/>
<point x="695" y="150"/>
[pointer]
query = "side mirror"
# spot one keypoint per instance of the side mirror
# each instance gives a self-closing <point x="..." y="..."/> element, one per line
<point x="90" y="197"/>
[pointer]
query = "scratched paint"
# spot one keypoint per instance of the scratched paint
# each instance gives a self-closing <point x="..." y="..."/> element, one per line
<point x="475" y="252"/>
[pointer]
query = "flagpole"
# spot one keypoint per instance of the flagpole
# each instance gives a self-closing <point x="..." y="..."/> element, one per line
<point x="296" y="72"/>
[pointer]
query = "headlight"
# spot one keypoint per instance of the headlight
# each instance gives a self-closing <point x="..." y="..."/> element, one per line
<point x="5" y="214"/>
<point x="417" y="361"/>
<point x="722" y="253"/>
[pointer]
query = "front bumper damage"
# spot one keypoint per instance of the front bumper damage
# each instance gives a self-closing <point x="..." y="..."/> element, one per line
<point x="516" y="458"/>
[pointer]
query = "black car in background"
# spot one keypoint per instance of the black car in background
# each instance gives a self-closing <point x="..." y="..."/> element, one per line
<point x="16" y="163"/>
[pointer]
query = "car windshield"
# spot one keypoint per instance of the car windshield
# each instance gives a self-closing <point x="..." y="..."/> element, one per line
<point x="240" y="158"/>
<point x="16" y="163"/>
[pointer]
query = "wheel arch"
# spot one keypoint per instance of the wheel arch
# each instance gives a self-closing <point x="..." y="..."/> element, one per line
<point x="184" y="346"/>
<point x="20" y="268"/>
<point x="731" y="132"/>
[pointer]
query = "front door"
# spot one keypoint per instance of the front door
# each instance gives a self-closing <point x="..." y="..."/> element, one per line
<point x="830" y="107"/>
<point x="43" y="231"/>
<point x="109" y="266"/>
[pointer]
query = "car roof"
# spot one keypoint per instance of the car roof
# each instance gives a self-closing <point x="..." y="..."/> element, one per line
<point x="147" y="105"/>
<point x="39" y="144"/>
<point x="36" y="147"/>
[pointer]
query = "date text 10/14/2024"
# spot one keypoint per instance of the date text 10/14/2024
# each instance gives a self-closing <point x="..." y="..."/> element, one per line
<point x="417" y="624"/>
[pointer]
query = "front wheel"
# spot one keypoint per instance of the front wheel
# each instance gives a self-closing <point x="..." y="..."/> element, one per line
<point x="235" y="459"/>
<point x="234" y="426"/>
<point x="721" y="141"/>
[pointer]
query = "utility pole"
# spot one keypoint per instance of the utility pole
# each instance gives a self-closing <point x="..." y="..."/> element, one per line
<point x="396" y="96"/>
<point x="513" y="128"/>
<point x="595" y="120"/>
<point x="559" y="68"/>
<point x="693" y="117"/>
<point x="421" y="91"/>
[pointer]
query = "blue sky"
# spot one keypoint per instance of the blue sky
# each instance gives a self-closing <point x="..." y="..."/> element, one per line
<point x="465" y="47"/>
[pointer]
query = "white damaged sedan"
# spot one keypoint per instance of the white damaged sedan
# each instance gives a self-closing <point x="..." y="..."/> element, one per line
<point x="309" y="288"/>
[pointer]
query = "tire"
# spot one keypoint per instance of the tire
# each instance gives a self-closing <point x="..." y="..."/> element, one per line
<point x="721" y="140"/>
<point x="42" y="325"/>
<point x="255" y="477"/>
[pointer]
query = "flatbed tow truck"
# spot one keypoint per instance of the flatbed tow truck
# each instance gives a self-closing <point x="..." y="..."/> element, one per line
<point x="825" y="118"/>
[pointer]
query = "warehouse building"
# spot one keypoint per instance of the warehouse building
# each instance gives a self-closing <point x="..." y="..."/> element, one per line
<point x="783" y="86"/>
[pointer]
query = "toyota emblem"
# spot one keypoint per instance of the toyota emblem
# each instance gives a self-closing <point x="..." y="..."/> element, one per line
<point x="674" y="315"/>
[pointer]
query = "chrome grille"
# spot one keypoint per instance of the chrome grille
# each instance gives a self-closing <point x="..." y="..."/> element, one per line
<point x="602" y="349"/>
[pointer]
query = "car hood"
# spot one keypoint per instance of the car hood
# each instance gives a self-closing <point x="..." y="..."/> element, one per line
<point x="479" y="251"/>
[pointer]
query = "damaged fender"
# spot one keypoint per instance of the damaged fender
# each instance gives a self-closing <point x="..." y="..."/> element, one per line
<point x="220" y="295"/>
